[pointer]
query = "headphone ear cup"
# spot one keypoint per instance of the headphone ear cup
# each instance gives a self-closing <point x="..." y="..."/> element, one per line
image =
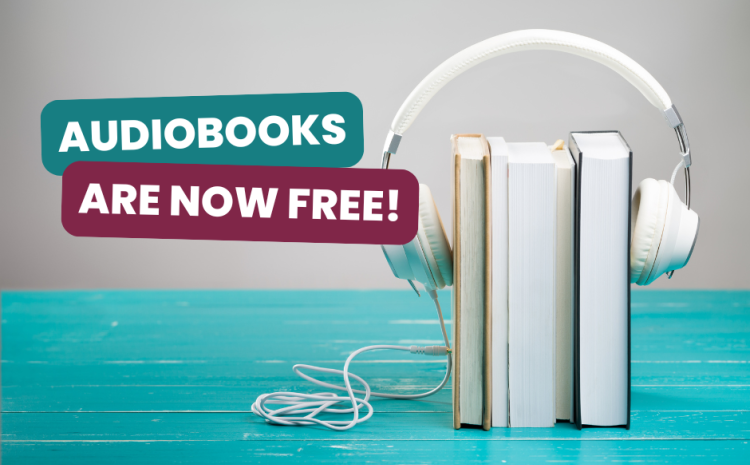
<point x="678" y="238"/>
<point x="434" y="241"/>
<point x="648" y="211"/>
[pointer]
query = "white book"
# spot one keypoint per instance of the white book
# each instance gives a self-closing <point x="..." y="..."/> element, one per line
<point x="499" y="161"/>
<point x="531" y="284"/>
<point x="564" y="283"/>
<point x="604" y="162"/>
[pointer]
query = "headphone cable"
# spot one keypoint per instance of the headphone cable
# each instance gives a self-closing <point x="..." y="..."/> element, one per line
<point x="302" y="409"/>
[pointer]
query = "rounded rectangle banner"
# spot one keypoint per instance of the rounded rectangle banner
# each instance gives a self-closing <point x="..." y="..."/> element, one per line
<point x="240" y="203"/>
<point x="314" y="129"/>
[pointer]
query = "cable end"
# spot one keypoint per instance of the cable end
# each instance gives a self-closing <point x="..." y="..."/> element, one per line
<point x="429" y="350"/>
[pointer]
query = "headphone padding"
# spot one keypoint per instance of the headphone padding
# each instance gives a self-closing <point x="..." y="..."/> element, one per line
<point x="435" y="233"/>
<point x="644" y="216"/>
<point x="654" y="203"/>
<point x="657" y="245"/>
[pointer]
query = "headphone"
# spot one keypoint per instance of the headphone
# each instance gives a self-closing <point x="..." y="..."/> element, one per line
<point x="663" y="238"/>
<point x="665" y="228"/>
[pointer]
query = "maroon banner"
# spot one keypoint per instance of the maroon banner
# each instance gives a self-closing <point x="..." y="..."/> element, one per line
<point x="240" y="203"/>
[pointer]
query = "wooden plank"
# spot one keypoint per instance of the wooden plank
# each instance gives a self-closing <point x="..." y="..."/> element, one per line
<point x="382" y="427"/>
<point x="155" y="326"/>
<point x="203" y="325"/>
<point x="219" y="398"/>
<point x="357" y="452"/>
<point x="423" y="371"/>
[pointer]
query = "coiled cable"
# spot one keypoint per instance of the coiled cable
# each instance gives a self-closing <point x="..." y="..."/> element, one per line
<point x="302" y="409"/>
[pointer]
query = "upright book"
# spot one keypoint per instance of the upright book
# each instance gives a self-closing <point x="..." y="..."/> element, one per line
<point x="499" y="162"/>
<point x="602" y="294"/>
<point x="531" y="284"/>
<point x="564" y="282"/>
<point x="472" y="285"/>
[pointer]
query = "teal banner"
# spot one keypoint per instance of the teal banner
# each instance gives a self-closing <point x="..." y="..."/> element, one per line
<point x="317" y="129"/>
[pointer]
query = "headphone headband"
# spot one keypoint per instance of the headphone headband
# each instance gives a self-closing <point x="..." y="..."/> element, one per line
<point x="535" y="39"/>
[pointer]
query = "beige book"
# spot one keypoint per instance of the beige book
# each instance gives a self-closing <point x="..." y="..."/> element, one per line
<point x="472" y="289"/>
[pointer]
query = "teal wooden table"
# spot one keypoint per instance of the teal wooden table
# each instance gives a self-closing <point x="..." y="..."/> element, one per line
<point x="169" y="376"/>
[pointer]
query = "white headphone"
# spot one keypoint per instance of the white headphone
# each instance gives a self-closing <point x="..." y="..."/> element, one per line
<point x="665" y="228"/>
<point x="664" y="236"/>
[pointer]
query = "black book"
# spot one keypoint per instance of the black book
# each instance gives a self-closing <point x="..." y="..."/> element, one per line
<point x="602" y="278"/>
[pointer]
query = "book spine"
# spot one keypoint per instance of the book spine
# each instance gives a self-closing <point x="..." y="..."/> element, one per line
<point x="457" y="292"/>
<point x="627" y="281"/>
<point x="578" y="158"/>
<point x="487" y="417"/>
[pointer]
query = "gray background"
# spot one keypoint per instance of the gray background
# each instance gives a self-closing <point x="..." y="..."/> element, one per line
<point x="72" y="50"/>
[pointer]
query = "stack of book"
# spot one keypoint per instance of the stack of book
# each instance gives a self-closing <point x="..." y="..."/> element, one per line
<point x="541" y="297"/>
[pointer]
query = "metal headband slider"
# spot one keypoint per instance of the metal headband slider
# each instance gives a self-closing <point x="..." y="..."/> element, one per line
<point x="675" y="121"/>
<point x="390" y="148"/>
<point x="682" y="139"/>
<point x="672" y="116"/>
<point x="391" y="142"/>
